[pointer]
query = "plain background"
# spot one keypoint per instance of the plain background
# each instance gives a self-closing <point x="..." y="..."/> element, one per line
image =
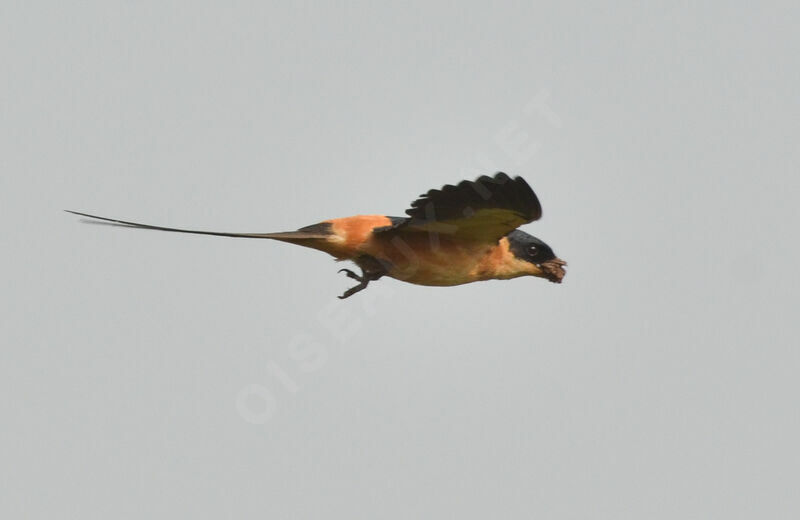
<point x="149" y="374"/>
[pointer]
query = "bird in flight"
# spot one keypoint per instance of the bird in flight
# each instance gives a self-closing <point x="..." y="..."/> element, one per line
<point x="451" y="236"/>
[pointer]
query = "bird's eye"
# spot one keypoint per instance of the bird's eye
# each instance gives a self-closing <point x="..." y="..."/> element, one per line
<point x="533" y="250"/>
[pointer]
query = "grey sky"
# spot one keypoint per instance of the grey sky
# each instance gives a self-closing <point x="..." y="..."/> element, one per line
<point x="659" y="381"/>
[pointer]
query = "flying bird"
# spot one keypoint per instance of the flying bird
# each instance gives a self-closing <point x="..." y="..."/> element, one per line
<point x="455" y="235"/>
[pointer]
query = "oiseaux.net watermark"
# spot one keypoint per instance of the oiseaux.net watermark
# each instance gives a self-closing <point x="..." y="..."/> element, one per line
<point x="308" y="351"/>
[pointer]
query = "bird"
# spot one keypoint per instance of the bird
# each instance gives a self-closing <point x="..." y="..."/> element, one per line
<point x="455" y="235"/>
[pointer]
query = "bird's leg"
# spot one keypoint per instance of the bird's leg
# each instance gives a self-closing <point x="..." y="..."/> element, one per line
<point x="371" y="270"/>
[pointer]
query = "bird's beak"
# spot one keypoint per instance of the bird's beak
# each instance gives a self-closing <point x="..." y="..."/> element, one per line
<point x="553" y="269"/>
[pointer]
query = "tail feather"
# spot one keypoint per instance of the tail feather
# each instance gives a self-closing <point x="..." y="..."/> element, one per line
<point x="313" y="232"/>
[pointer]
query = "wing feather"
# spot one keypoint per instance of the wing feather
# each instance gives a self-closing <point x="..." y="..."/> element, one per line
<point x="485" y="209"/>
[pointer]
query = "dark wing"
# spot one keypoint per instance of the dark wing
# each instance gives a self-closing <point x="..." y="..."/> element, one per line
<point x="486" y="209"/>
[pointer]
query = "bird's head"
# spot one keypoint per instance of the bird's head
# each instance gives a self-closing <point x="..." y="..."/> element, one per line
<point x="534" y="257"/>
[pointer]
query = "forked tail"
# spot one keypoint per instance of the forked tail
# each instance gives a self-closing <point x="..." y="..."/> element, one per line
<point x="310" y="233"/>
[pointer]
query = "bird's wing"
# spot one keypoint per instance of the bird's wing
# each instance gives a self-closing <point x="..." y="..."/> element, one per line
<point x="483" y="210"/>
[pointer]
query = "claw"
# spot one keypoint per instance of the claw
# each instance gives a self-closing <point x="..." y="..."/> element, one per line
<point x="351" y="274"/>
<point x="370" y="271"/>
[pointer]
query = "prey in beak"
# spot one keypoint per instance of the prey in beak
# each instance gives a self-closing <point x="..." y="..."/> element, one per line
<point x="554" y="269"/>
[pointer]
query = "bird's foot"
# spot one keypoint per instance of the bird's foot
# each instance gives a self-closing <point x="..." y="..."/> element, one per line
<point x="371" y="270"/>
<point x="363" y="282"/>
<point x="351" y="291"/>
<point x="351" y="274"/>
